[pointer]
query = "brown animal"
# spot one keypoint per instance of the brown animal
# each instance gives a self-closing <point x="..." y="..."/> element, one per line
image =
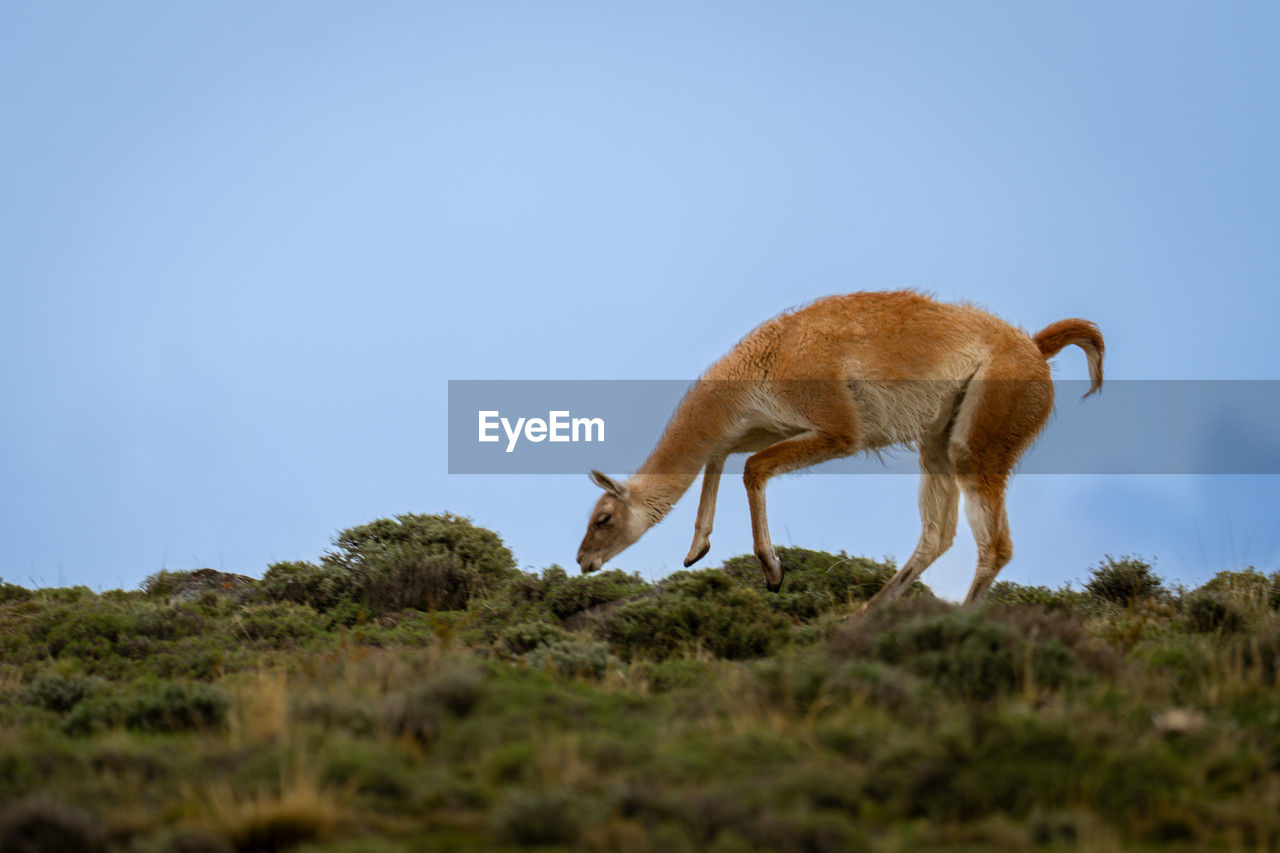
<point x="847" y="374"/>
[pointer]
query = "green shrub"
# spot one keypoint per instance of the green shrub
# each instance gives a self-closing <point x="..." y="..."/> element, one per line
<point x="58" y="692"/>
<point x="1124" y="581"/>
<point x="705" y="610"/>
<point x="966" y="654"/>
<point x="1184" y="660"/>
<point x="455" y="686"/>
<point x="796" y="681"/>
<point x="319" y="587"/>
<point x="1249" y="585"/>
<point x="375" y="769"/>
<point x="187" y="840"/>
<point x="428" y="562"/>
<point x="169" y="622"/>
<point x="163" y="583"/>
<point x="802" y="831"/>
<point x="425" y="562"/>
<point x="94" y="714"/>
<point x="1004" y="761"/>
<point x="1259" y="650"/>
<point x="412" y="714"/>
<point x="478" y="548"/>
<point x="675" y="673"/>
<point x="418" y="712"/>
<point x="202" y="658"/>
<point x="566" y="594"/>
<point x="812" y="680"/>
<point x="546" y="817"/>
<point x="1015" y="595"/>
<point x="1215" y="610"/>
<point x="347" y="614"/>
<point x="522" y="637"/>
<point x="166" y="706"/>
<point x="106" y="634"/>
<point x="281" y="624"/>
<point x="337" y="712"/>
<point x="573" y="656"/>
<point x="12" y="592"/>
<point x="529" y="611"/>
<point x="175" y="706"/>
<point x="975" y="654"/>
<point x="87" y="631"/>
<point x="39" y="824"/>
<point x="816" y="582"/>
<point x="67" y="594"/>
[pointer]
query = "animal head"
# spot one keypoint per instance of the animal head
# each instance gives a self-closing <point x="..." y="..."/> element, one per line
<point x="616" y="522"/>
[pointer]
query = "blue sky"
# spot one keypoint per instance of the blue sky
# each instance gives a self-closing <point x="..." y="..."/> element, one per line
<point x="243" y="248"/>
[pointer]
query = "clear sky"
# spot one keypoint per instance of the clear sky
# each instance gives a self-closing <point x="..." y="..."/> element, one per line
<point x="244" y="246"/>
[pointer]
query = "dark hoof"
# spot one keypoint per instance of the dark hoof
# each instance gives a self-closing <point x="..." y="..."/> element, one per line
<point x="772" y="568"/>
<point x="693" y="558"/>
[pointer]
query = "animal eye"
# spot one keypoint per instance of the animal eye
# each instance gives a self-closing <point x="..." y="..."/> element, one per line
<point x="604" y="519"/>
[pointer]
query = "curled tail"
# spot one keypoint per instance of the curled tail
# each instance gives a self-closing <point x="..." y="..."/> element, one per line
<point x="1083" y="334"/>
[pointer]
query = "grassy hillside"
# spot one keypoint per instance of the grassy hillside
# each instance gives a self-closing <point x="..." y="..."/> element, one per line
<point x="413" y="690"/>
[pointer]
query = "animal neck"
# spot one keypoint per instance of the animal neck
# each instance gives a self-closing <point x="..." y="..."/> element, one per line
<point x="655" y="494"/>
<point x="690" y="440"/>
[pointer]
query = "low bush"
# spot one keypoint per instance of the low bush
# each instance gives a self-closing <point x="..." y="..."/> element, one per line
<point x="523" y="637"/>
<point x="573" y="656"/>
<point x="419" y="711"/>
<point x="975" y="654"/>
<point x="278" y="624"/>
<point x="816" y="582"/>
<point x="58" y="692"/>
<point x="1017" y="595"/>
<point x="1249" y="587"/>
<point x="163" y="583"/>
<point x="697" y="610"/>
<point x="1124" y="581"/>
<point x="566" y="595"/>
<point x="318" y="587"/>
<point x="424" y="562"/>
<point x="1210" y="610"/>
<point x="427" y="562"/>
<point x="39" y="824"/>
<point x="544" y="817"/>
<point x="10" y="593"/>
<point x="151" y="706"/>
<point x="412" y="714"/>
<point x="176" y="706"/>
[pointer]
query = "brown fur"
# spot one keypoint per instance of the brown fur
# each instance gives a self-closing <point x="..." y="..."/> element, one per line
<point x="1053" y="337"/>
<point x="847" y="374"/>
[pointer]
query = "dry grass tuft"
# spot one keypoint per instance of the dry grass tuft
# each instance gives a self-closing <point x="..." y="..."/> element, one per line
<point x="261" y="710"/>
<point x="301" y="811"/>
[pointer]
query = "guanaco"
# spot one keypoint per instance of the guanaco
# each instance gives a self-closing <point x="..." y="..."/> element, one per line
<point x="847" y="374"/>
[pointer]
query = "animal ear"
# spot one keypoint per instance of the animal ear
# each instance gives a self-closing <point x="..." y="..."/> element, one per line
<point x="604" y="481"/>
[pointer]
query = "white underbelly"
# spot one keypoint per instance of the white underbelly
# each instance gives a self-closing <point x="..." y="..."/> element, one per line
<point x="903" y="411"/>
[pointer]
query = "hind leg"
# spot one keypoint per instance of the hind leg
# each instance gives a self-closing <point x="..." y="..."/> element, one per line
<point x="1006" y="406"/>
<point x="939" y="504"/>
<point x="984" y="507"/>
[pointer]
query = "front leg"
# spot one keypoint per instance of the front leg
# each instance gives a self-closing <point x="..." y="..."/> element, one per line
<point x="763" y="544"/>
<point x="803" y="450"/>
<point x="706" y="512"/>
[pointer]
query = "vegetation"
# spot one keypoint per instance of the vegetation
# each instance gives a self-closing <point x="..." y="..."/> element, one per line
<point x="414" y="690"/>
